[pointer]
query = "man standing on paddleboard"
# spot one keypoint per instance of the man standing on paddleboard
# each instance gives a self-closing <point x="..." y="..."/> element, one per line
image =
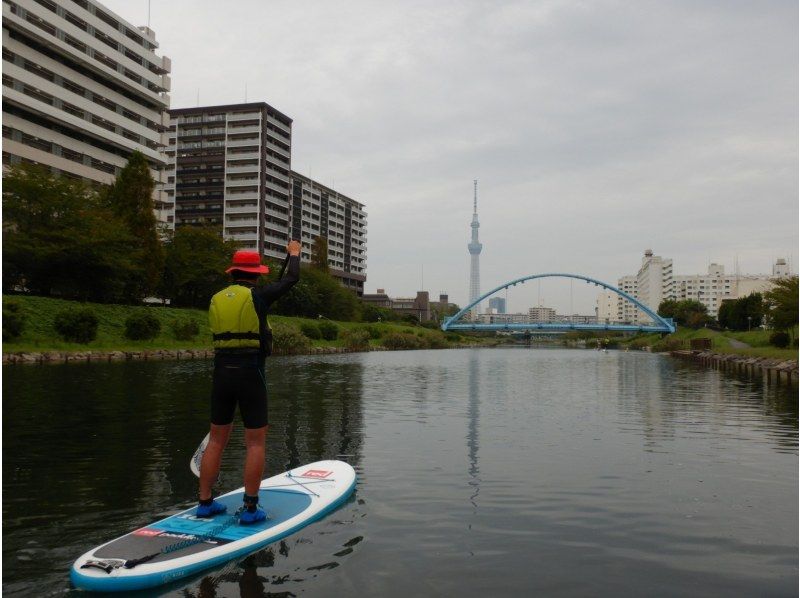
<point x="242" y="340"/>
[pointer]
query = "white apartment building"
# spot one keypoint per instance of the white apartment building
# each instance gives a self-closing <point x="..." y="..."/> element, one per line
<point x="627" y="312"/>
<point x="654" y="281"/>
<point x="489" y="318"/>
<point x="709" y="289"/>
<point x="608" y="307"/>
<point x="230" y="166"/>
<point x="82" y="89"/>
<point x="319" y="211"/>
<point x="542" y="314"/>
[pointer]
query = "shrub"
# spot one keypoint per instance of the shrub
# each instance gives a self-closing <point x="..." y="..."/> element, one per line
<point x="76" y="324"/>
<point x="402" y="340"/>
<point x="779" y="339"/>
<point x="374" y="332"/>
<point x="13" y="319"/>
<point x="436" y="340"/>
<point x="288" y="340"/>
<point x="185" y="330"/>
<point x="668" y="344"/>
<point x="453" y="337"/>
<point x="356" y="339"/>
<point x="141" y="326"/>
<point x="310" y="330"/>
<point x="328" y="330"/>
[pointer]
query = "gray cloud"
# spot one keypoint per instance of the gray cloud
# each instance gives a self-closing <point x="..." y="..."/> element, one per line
<point x="597" y="129"/>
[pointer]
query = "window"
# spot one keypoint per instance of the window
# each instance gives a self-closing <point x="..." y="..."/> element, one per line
<point x="78" y="45"/>
<point x="73" y="110"/>
<point x="73" y="87"/>
<point x="79" y="23"/>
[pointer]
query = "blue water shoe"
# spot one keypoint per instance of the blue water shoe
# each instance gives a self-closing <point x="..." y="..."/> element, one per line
<point x="248" y="516"/>
<point x="215" y="508"/>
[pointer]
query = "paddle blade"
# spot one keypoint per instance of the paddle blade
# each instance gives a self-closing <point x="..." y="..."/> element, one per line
<point x="197" y="458"/>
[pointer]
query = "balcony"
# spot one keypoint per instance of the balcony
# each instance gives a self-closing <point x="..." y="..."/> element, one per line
<point x="242" y="236"/>
<point x="277" y="149"/>
<point x="244" y="156"/>
<point x="244" y="222"/>
<point x="254" y="182"/>
<point x="243" y="169"/>
<point x="255" y="129"/>
<point x="249" y="209"/>
<point x="244" y="116"/>
<point x="239" y="195"/>
<point x="255" y="142"/>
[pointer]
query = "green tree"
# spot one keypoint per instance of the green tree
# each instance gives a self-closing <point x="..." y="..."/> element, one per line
<point x="687" y="312"/>
<point x="60" y="239"/>
<point x="743" y="313"/>
<point x="319" y="254"/>
<point x="782" y="304"/>
<point x="194" y="268"/>
<point x="131" y="198"/>
<point x="318" y="293"/>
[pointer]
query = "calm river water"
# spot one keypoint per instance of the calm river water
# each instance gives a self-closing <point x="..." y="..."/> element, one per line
<point x="481" y="473"/>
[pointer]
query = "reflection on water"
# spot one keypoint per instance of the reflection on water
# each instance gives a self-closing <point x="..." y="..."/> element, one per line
<point x="481" y="472"/>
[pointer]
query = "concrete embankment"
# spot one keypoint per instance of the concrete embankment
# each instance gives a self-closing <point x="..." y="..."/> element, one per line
<point x="773" y="370"/>
<point x="55" y="357"/>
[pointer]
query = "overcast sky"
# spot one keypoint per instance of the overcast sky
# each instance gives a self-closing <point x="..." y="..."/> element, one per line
<point x="596" y="129"/>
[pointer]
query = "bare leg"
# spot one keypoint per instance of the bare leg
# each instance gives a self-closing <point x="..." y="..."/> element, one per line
<point x="209" y="466"/>
<point x="254" y="440"/>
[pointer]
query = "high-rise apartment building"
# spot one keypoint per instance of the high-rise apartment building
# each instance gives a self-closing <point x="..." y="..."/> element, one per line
<point x="319" y="211"/>
<point x="230" y="166"/>
<point x="654" y="281"/>
<point x="82" y="90"/>
<point x="709" y="289"/>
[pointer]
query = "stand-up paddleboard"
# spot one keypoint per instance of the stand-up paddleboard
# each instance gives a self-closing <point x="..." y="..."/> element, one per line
<point x="183" y="544"/>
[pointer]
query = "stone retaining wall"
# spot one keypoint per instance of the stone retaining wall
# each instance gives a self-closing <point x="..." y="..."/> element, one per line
<point x="774" y="370"/>
<point x="46" y="357"/>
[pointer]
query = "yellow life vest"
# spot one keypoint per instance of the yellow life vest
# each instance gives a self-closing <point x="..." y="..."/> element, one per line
<point x="233" y="319"/>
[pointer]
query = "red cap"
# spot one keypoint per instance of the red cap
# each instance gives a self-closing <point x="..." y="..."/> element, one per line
<point x="247" y="261"/>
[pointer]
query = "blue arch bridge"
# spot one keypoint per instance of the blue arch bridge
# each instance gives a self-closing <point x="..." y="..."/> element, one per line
<point x="658" y="324"/>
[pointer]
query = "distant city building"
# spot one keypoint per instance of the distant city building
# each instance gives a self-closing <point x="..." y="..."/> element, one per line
<point x="654" y="281"/>
<point x="608" y="307"/>
<point x="542" y="314"/>
<point x="781" y="269"/>
<point x="627" y="312"/>
<point x="82" y="90"/>
<point x="492" y="318"/>
<point x="419" y="306"/>
<point x="497" y="305"/>
<point x="319" y="211"/>
<point x="710" y="289"/>
<point x="230" y="166"/>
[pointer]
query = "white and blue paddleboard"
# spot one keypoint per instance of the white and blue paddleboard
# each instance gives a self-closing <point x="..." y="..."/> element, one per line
<point x="181" y="545"/>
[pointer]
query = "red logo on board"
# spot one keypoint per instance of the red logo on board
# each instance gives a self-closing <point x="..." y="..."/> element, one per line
<point x="316" y="473"/>
<point x="146" y="532"/>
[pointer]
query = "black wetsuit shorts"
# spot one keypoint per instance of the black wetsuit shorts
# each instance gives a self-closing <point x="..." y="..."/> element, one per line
<point x="239" y="380"/>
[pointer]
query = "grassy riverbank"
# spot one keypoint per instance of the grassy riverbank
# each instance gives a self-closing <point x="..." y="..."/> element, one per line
<point x="721" y="342"/>
<point x="39" y="335"/>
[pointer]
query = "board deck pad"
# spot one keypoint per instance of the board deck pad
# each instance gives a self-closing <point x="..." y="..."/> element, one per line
<point x="183" y="544"/>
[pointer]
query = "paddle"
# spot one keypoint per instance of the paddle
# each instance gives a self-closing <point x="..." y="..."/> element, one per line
<point x="197" y="458"/>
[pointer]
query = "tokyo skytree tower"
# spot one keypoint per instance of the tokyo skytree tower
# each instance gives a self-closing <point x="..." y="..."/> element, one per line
<point x="475" y="253"/>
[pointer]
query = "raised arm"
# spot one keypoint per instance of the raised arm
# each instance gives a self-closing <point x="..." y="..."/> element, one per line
<point x="273" y="291"/>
